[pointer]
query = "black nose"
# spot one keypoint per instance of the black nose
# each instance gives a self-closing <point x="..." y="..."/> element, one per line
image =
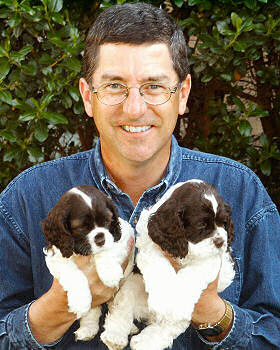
<point x="99" y="239"/>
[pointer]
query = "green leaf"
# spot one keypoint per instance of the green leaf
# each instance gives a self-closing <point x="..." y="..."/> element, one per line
<point x="35" y="151"/>
<point x="8" y="135"/>
<point x="3" y="51"/>
<point x="20" y="55"/>
<point x="239" y="103"/>
<point x="41" y="131"/>
<point x="55" y="118"/>
<point x="30" y="68"/>
<point x="251" y="4"/>
<point x="223" y="28"/>
<point x="25" y="117"/>
<point x="6" y="97"/>
<point x="73" y="64"/>
<point x="206" y="78"/>
<point x="240" y="46"/>
<point x="58" y="18"/>
<point x="55" y="5"/>
<point x="74" y="93"/>
<point x="46" y="100"/>
<point x="264" y="141"/>
<point x="179" y="3"/>
<point x="266" y="167"/>
<point x="245" y="128"/>
<point x="11" y="154"/>
<point x="194" y="2"/>
<point x="236" y="20"/>
<point x="14" y="21"/>
<point x="226" y="76"/>
<point x="4" y="69"/>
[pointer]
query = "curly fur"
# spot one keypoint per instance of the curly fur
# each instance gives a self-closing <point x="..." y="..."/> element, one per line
<point x="58" y="226"/>
<point x="86" y="222"/>
<point x="193" y="225"/>
<point x="192" y="218"/>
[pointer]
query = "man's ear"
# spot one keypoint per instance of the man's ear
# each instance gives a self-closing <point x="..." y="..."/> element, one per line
<point x="86" y="96"/>
<point x="184" y="94"/>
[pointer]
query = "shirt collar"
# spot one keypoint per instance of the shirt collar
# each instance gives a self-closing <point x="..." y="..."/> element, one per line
<point x="104" y="181"/>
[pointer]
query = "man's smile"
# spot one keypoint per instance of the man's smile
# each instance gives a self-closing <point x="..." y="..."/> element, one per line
<point x="135" y="129"/>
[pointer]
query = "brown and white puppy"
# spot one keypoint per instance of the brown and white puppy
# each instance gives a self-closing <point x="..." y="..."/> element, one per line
<point x="192" y="226"/>
<point x="85" y="221"/>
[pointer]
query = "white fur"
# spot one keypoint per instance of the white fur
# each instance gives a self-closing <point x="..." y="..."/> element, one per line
<point x="85" y="197"/>
<point x="165" y="299"/>
<point x="107" y="260"/>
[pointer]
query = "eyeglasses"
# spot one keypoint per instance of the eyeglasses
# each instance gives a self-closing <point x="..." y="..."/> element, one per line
<point x="112" y="94"/>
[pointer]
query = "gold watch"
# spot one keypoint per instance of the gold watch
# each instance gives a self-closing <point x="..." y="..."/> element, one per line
<point x="211" y="330"/>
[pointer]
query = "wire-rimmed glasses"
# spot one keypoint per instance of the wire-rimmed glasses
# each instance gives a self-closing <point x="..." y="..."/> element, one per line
<point x="112" y="94"/>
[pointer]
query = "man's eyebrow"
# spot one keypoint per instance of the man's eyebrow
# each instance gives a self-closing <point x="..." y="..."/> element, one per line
<point x="115" y="77"/>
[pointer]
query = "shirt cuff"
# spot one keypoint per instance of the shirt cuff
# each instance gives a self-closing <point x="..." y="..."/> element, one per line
<point x="19" y="332"/>
<point x="240" y="334"/>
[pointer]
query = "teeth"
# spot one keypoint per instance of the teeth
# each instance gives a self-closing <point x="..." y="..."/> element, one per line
<point x="135" y="128"/>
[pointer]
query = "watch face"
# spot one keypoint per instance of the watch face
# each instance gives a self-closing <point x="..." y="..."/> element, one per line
<point x="210" y="332"/>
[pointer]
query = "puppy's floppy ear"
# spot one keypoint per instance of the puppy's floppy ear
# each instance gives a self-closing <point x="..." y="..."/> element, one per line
<point x="57" y="232"/>
<point x="229" y="224"/>
<point x="166" y="229"/>
<point x="114" y="228"/>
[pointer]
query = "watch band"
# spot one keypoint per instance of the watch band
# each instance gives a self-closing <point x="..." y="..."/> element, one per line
<point x="210" y="330"/>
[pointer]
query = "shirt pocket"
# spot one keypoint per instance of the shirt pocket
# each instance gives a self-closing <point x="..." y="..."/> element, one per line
<point x="233" y="291"/>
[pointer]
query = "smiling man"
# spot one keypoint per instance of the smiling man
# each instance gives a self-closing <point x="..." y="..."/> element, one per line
<point x="135" y="128"/>
<point x="136" y="82"/>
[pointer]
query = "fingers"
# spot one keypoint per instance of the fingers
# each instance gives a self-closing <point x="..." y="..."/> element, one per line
<point x="130" y="245"/>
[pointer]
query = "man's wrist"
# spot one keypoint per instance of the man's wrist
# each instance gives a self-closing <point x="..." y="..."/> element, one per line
<point x="218" y="330"/>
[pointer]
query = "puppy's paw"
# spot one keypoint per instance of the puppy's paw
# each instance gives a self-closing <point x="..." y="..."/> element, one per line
<point x="114" y="340"/>
<point x="85" y="333"/>
<point x="111" y="278"/>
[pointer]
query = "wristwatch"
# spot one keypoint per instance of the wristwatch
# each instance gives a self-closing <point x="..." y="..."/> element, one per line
<point x="211" y="330"/>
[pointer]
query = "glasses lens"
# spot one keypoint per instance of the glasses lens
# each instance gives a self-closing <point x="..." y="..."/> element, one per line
<point x="155" y="93"/>
<point x="112" y="93"/>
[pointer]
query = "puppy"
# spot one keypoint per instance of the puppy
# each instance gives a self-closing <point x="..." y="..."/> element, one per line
<point x="85" y="222"/>
<point x="192" y="226"/>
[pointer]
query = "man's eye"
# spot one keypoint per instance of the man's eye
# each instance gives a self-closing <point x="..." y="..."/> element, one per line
<point x="154" y="86"/>
<point x="115" y="86"/>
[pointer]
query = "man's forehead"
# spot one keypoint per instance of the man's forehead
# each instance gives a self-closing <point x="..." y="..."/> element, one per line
<point x="149" y="62"/>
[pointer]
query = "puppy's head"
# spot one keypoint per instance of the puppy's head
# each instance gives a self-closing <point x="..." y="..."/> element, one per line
<point x="194" y="218"/>
<point x="84" y="221"/>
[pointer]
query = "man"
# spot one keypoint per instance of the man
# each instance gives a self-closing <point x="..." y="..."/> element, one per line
<point x="136" y="83"/>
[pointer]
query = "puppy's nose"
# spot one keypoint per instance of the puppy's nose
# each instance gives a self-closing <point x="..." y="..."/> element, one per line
<point x="218" y="242"/>
<point x="99" y="239"/>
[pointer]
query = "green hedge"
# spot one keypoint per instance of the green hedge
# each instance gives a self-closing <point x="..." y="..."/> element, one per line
<point x="234" y="56"/>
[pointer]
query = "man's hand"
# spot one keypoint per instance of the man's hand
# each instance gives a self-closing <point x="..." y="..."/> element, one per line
<point x="100" y="293"/>
<point x="49" y="317"/>
<point x="210" y="307"/>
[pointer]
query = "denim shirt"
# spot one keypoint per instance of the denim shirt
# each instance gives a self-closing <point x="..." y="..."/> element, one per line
<point x="24" y="277"/>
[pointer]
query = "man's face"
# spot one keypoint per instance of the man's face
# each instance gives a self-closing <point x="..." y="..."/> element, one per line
<point x="150" y="137"/>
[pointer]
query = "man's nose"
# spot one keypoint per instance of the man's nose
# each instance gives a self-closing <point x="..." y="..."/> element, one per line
<point x="134" y="105"/>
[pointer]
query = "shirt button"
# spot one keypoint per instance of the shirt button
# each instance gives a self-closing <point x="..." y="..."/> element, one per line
<point x="135" y="220"/>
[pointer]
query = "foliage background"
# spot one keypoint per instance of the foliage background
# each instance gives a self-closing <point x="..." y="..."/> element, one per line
<point x="234" y="50"/>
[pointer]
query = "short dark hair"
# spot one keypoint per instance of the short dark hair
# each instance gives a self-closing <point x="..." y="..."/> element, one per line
<point x="136" y="23"/>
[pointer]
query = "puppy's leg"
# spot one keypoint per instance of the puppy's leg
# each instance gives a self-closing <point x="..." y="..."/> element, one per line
<point x="89" y="325"/>
<point x="129" y="303"/>
<point x="73" y="281"/>
<point x="158" y="336"/>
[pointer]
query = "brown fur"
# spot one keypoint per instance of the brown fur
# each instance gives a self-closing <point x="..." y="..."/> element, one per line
<point x="188" y="216"/>
<point x="71" y="219"/>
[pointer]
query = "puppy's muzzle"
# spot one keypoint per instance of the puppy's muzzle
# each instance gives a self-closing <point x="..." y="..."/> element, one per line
<point x="99" y="239"/>
<point x="219" y="241"/>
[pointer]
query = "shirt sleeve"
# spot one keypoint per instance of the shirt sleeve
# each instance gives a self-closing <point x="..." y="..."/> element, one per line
<point x="16" y="292"/>
<point x="256" y="318"/>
